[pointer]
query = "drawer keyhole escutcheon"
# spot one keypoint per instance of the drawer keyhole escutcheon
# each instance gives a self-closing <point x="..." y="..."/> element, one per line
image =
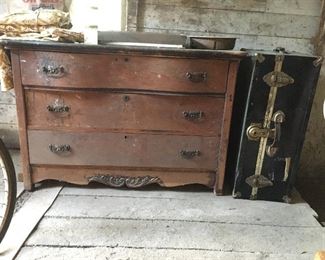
<point x="193" y="115"/>
<point x="197" y="77"/>
<point x="190" y="154"/>
<point x="63" y="149"/>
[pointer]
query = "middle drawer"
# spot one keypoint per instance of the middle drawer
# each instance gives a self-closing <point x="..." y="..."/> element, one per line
<point x="82" y="110"/>
<point x="123" y="150"/>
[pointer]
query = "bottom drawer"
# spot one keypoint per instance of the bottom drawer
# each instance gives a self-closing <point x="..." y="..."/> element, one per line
<point x="123" y="150"/>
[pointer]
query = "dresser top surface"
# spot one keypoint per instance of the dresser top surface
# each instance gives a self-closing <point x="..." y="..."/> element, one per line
<point x="136" y="50"/>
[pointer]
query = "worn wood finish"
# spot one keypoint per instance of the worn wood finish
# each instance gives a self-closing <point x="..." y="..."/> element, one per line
<point x="169" y="178"/>
<point x="123" y="112"/>
<point x="258" y="24"/>
<point x="146" y="51"/>
<point x="136" y="37"/>
<point x="123" y="72"/>
<point x="320" y="37"/>
<point x="247" y="5"/>
<point x="297" y="7"/>
<point x="117" y="149"/>
<point x="117" y="113"/>
<point x="244" y="40"/>
<point x="21" y="112"/>
<point x="132" y="14"/>
<point x="226" y="127"/>
<point x="213" y="20"/>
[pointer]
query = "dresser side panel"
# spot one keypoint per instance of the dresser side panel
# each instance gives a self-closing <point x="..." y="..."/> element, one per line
<point x="21" y="114"/>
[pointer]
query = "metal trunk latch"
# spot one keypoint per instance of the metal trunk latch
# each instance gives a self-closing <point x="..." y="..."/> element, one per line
<point x="256" y="131"/>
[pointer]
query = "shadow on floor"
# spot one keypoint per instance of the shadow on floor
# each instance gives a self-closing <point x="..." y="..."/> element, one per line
<point x="313" y="191"/>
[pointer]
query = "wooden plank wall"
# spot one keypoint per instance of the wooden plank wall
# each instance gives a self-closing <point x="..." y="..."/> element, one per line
<point x="8" y="119"/>
<point x="313" y="154"/>
<point x="258" y="24"/>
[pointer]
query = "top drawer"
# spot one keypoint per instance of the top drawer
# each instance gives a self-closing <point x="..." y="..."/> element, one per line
<point x="117" y="71"/>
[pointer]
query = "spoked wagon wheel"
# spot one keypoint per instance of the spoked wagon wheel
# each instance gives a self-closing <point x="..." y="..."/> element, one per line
<point x="8" y="189"/>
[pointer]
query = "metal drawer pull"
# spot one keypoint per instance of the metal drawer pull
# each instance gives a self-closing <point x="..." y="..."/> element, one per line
<point x="190" y="154"/>
<point x="60" y="149"/>
<point x="197" y="77"/>
<point x="193" y="115"/>
<point x="58" y="108"/>
<point x="53" y="71"/>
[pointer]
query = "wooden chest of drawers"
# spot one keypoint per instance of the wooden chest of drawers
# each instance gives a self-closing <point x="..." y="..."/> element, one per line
<point x="123" y="116"/>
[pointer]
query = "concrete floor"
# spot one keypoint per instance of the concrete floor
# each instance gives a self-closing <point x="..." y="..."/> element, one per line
<point x="96" y="222"/>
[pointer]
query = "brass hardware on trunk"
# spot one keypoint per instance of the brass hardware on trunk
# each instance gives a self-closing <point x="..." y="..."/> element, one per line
<point x="197" y="77"/>
<point x="286" y="199"/>
<point x="278" y="118"/>
<point x="53" y="71"/>
<point x="255" y="132"/>
<point x="287" y="168"/>
<point x="258" y="181"/>
<point x="236" y="195"/>
<point x="260" y="58"/>
<point x="274" y="79"/>
<point x="278" y="79"/>
<point x="60" y="149"/>
<point x="318" y="61"/>
<point x="191" y="116"/>
<point x="190" y="154"/>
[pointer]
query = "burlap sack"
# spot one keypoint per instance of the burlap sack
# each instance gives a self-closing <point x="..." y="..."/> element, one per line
<point x="63" y="35"/>
<point x="34" y="22"/>
<point x="6" y="80"/>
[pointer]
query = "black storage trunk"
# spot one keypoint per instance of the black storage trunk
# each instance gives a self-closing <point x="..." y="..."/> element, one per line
<point x="275" y="92"/>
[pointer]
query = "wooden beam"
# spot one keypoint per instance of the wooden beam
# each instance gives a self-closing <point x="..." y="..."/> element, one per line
<point x="320" y="37"/>
<point x="124" y="17"/>
<point x="132" y="15"/>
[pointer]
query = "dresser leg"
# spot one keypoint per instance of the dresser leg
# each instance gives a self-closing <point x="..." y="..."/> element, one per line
<point x="29" y="186"/>
<point x="218" y="192"/>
